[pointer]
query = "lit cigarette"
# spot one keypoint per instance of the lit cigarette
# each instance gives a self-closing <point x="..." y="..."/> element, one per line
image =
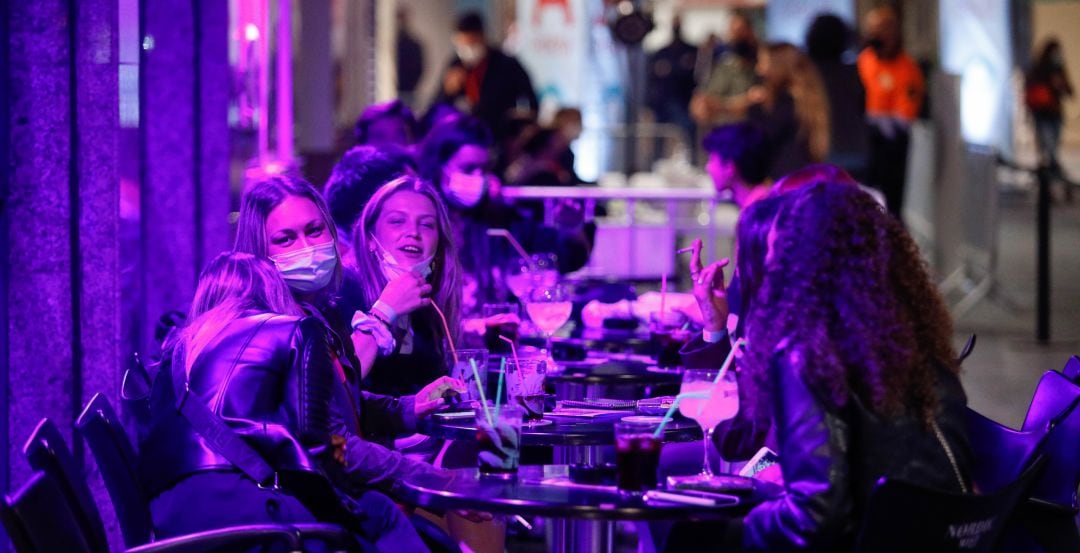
<point x="683" y="250"/>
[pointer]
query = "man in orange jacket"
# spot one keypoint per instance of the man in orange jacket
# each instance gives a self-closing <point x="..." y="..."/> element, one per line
<point x="894" y="95"/>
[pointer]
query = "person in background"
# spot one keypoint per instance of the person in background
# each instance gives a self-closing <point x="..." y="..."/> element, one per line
<point x="828" y="39"/>
<point x="254" y="361"/>
<point x="671" y="82"/>
<point x="1047" y="85"/>
<point x="841" y="393"/>
<point x="721" y="97"/>
<point x="390" y="124"/>
<point x="738" y="161"/>
<point x="410" y="60"/>
<point x="455" y="157"/>
<point x="361" y="171"/>
<point x="894" y="95"/>
<point x="791" y="107"/>
<point x="544" y="157"/>
<point x="482" y="80"/>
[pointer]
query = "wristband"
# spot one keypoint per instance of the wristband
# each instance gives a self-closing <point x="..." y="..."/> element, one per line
<point x="377" y="329"/>
<point x="389" y="312"/>
<point x="712" y="337"/>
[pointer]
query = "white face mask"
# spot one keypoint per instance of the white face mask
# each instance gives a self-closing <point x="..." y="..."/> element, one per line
<point x="469" y="54"/>
<point x="309" y="269"/>
<point x="392" y="269"/>
<point x="464" y="189"/>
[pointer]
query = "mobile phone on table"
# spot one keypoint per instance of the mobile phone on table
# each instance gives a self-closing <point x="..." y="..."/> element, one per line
<point x="761" y="460"/>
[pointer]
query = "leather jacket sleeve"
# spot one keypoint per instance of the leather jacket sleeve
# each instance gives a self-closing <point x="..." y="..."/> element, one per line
<point x="814" y="512"/>
<point x="386" y="416"/>
<point x="310" y="395"/>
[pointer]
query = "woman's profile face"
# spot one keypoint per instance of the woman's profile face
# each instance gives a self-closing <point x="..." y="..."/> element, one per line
<point x="470" y="159"/>
<point x="296" y="223"/>
<point x="408" y="227"/>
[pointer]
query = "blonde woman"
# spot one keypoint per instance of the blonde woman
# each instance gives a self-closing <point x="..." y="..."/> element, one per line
<point x="792" y="107"/>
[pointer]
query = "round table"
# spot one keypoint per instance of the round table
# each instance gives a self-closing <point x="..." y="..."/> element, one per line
<point x="612" y="379"/>
<point x="562" y="432"/>
<point x="528" y="494"/>
<point x="575" y="440"/>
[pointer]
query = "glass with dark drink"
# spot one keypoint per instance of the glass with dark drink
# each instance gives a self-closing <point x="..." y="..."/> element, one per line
<point x="525" y="386"/>
<point x="637" y="456"/>
<point x="498" y="438"/>
<point x="501" y="319"/>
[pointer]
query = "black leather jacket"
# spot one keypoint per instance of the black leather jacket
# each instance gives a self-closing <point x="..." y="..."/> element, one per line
<point x="271" y="384"/>
<point x="831" y="460"/>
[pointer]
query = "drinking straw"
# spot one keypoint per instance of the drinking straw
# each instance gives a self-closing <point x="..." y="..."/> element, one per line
<point x="674" y="406"/>
<point x="513" y="242"/>
<point x="446" y="328"/>
<point x="741" y="342"/>
<point x="498" y="389"/>
<point x="663" y="297"/>
<point x="513" y="351"/>
<point x="480" y="386"/>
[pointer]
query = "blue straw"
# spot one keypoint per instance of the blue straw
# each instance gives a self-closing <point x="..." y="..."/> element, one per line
<point x="480" y="387"/>
<point x="498" y="389"/>
<point x="675" y="405"/>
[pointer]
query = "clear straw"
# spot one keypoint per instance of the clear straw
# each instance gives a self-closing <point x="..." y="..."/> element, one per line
<point x="498" y="389"/>
<point x="480" y="387"/>
<point x="446" y="328"/>
<point x="513" y="350"/>
<point x="675" y="405"/>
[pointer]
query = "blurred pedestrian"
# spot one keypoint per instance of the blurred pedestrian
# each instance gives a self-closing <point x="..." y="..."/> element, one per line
<point x="1047" y="84"/>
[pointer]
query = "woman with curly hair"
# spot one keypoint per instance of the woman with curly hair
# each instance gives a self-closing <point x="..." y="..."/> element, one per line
<point x="850" y="355"/>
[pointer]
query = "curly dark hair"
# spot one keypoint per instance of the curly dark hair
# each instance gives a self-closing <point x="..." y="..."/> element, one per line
<point x="845" y="287"/>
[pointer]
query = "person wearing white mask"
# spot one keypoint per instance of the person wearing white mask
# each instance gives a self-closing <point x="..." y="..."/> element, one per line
<point x="407" y="273"/>
<point x="455" y="157"/>
<point x="284" y="219"/>
<point x="484" y="81"/>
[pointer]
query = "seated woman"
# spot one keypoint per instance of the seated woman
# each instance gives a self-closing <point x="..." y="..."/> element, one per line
<point x="455" y="157"/>
<point x="249" y="357"/>
<point x="849" y="354"/>
<point x="403" y="242"/>
<point x="285" y="220"/>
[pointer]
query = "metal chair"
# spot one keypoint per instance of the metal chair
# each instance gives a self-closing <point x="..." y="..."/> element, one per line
<point x="39" y="519"/>
<point x="100" y="428"/>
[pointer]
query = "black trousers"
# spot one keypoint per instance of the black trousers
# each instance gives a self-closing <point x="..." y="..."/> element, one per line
<point x="887" y="167"/>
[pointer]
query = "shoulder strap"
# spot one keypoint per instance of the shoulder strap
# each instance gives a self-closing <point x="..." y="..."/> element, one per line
<point x="218" y="435"/>
<point x="949" y="453"/>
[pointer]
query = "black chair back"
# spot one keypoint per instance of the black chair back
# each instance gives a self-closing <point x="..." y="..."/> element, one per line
<point x="46" y="451"/>
<point x="1000" y="454"/>
<point x="38" y="519"/>
<point x="903" y="517"/>
<point x="109" y="443"/>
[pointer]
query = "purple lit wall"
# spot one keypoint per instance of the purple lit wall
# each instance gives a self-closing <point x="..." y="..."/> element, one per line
<point x="66" y="300"/>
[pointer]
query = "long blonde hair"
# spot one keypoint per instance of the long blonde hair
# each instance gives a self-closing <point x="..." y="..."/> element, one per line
<point x="446" y="280"/>
<point x="232" y="284"/>
<point x="791" y="70"/>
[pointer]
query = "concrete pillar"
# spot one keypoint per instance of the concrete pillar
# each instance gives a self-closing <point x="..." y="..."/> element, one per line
<point x="314" y="83"/>
<point x="41" y="362"/>
<point x="170" y="198"/>
<point x="212" y="136"/>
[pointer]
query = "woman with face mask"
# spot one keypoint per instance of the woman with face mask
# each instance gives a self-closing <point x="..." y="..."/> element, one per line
<point x="407" y="281"/>
<point x="455" y="157"/>
<point x="285" y="220"/>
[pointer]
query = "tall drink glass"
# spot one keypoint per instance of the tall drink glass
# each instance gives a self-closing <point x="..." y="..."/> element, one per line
<point x="525" y="386"/>
<point x="712" y="402"/>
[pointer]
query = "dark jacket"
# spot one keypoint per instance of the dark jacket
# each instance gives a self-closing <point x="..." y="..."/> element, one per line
<point x="269" y="381"/>
<point x="369" y="422"/>
<point x="831" y="459"/>
<point x="503" y="86"/>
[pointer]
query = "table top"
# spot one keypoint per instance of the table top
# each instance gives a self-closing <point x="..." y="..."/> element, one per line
<point x="613" y="372"/>
<point x="562" y="431"/>
<point x="527" y="495"/>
